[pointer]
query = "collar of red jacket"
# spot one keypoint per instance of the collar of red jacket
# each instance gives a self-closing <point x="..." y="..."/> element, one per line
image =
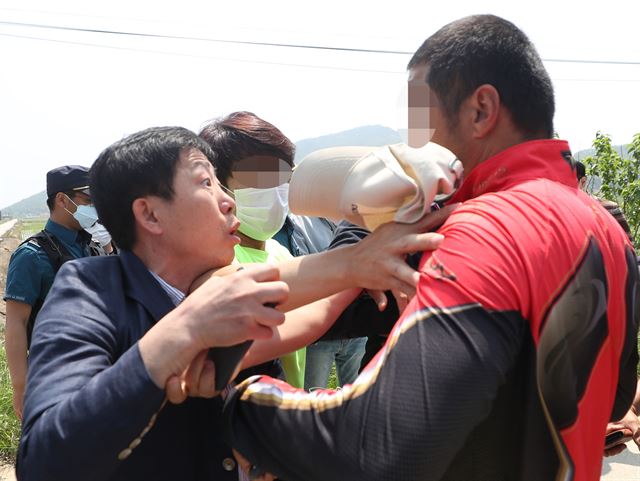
<point x="548" y="159"/>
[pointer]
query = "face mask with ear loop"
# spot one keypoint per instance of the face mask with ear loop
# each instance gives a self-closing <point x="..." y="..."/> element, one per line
<point x="86" y="215"/>
<point x="262" y="212"/>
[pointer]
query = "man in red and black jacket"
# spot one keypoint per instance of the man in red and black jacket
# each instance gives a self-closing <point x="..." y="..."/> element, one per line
<point x="520" y="345"/>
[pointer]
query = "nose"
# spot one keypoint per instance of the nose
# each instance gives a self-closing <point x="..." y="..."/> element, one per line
<point x="228" y="205"/>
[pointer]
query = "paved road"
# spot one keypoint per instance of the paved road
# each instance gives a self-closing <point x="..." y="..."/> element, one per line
<point x="7" y="226"/>
<point x="623" y="467"/>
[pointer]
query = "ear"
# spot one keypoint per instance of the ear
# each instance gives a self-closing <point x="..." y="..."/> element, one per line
<point x="62" y="202"/>
<point x="582" y="182"/>
<point x="484" y="105"/>
<point x="144" y="213"/>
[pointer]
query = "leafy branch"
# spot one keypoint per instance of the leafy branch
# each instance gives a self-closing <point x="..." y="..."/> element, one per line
<point x="619" y="176"/>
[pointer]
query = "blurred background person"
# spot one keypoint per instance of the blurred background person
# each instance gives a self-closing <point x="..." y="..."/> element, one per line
<point x="254" y="160"/>
<point x="303" y="235"/>
<point x="612" y="207"/>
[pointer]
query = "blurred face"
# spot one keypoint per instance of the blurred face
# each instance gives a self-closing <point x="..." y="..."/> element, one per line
<point x="427" y="120"/>
<point x="260" y="186"/>
<point x="420" y="125"/>
<point x="198" y="223"/>
<point x="259" y="172"/>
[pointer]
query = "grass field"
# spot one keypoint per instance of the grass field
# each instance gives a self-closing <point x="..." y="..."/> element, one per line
<point x="9" y="424"/>
<point x="333" y="378"/>
<point x="28" y="227"/>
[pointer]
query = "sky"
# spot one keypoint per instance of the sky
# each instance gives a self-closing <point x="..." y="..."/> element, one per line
<point x="109" y="69"/>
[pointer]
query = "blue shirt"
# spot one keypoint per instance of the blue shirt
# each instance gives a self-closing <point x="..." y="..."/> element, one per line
<point x="30" y="273"/>
<point x="176" y="295"/>
<point x="303" y="235"/>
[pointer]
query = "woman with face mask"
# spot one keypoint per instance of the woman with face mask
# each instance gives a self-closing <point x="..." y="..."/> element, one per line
<point x="254" y="163"/>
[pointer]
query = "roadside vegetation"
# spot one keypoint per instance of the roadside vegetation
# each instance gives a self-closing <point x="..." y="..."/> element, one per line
<point x="618" y="176"/>
<point x="9" y="423"/>
<point x="28" y="227"/>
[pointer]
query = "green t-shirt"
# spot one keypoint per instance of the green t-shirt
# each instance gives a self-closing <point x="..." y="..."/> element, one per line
<point x="293" y="363"/>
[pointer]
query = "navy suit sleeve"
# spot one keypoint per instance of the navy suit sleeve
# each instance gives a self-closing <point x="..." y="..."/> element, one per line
<point x="88" y="392"/>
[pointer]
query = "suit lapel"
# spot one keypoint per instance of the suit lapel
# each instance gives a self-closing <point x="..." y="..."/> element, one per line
<point x="143" y="287"/>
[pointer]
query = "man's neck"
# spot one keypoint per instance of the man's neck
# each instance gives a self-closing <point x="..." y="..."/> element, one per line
<point x="175" y="272"/>
<point x="489" y="148"/>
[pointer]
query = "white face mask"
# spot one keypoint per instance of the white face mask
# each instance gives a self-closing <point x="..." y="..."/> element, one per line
<point x="262" y="212"/>
<point x="86" y="215"/>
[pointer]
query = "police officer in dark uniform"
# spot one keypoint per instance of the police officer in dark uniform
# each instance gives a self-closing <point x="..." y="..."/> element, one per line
<point x="35" y="262"/>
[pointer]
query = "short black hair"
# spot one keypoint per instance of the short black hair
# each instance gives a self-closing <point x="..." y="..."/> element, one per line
<point x="485" y="49"/>
<point x="581" y="171"/>
<point x="139" y="165"/>
<point x="240" y="135"/>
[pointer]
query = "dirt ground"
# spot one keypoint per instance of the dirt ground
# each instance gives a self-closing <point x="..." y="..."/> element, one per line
<point x="8" y="243"/>
<point x="7" y="473"/>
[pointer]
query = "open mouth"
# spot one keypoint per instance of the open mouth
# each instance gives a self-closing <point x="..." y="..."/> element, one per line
<point x="234" y="228"/>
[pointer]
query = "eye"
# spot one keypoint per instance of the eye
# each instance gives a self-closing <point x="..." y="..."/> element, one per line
<point x="207" y="182"/>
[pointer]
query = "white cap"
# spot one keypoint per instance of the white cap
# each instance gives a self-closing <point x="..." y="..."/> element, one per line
<point x="373" y="185"/>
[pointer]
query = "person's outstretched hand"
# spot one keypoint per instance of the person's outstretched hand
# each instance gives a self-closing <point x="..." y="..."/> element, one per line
<point x="221" y="312"/>
<point x="630" y="424"/>
<point x="379" y="259"/>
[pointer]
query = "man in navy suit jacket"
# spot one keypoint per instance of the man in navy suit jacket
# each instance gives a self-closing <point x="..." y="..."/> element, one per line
<point x="116" y="332"/>
<point x="110" y="335"/>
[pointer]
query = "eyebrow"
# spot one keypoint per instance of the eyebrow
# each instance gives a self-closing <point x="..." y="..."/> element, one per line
<point x="206" y="164"/>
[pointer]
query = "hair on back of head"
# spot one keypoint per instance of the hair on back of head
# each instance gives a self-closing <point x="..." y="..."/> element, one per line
<point x="581" y="171"/>
<point x="240" y="135"/>
<point x="486" y="49"/>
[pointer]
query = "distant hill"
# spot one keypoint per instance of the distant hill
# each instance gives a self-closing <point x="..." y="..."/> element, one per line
<point x="374" y="135"/>
<point x="34" y="206"/>
<point x="594" y="183"/>
<point x="621" y="149"/>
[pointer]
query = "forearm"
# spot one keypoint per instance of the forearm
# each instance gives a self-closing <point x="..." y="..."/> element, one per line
<point x="302" y="326"/>
<point x="364" y="431"/>
<point x="15" y="343"/>
<point x="310" y="278"/>
<point x="377" y="262"/>
<point x="317" y="276"/>
<point x="168" y="347"/>
<point x="636" y="402"/>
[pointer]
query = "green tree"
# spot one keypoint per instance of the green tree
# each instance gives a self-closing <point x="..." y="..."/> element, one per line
<point x="619" y="176"/>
